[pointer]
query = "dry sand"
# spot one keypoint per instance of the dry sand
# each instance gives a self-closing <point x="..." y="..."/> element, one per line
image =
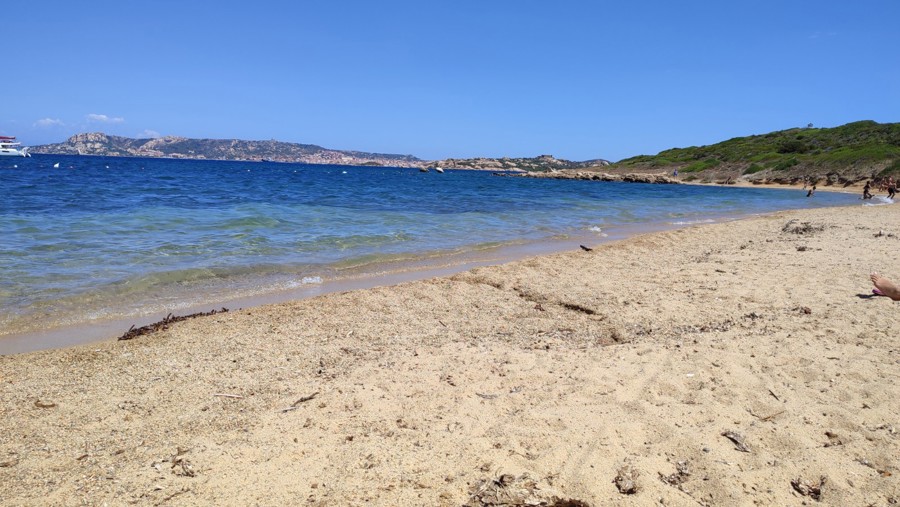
<point x="538" y="380"/>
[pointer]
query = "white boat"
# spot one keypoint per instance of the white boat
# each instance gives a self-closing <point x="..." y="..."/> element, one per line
<point x="10" y="148"/>
<point x="439" y="169"/>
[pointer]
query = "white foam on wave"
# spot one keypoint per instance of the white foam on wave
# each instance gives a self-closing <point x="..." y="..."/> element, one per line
<point x="599" y="231"/>
<point x="311" y="280"/>
<point x="879" y="200"/>
<point x="694" y="222"/>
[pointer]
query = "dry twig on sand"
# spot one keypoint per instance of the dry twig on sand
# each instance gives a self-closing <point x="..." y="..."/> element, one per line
<point x="297" y="403"/>
<point x="164" y="324"/>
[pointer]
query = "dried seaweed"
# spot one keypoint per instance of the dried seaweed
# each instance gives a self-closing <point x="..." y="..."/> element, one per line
<point x="802" y="228"/>
<point x="511" y="491"/>
<point x="626" y="480"/>
<point x="164" y="324"/>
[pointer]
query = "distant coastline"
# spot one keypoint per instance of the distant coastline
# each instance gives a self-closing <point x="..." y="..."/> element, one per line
<point x="100" y="144"/>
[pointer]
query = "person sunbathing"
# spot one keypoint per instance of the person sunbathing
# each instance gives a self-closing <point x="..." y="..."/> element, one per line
<point x="885" y="287"/>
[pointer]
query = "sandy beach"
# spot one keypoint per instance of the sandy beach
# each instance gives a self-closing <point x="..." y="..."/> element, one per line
<point x="741" y="363"/>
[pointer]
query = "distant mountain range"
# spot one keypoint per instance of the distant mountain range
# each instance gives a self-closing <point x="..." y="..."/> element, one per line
<point x="98" y="143"/>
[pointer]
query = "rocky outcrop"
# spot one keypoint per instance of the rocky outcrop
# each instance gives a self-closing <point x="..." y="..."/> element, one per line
<point x="539" y="163"/>
<point x="597" y="176"/>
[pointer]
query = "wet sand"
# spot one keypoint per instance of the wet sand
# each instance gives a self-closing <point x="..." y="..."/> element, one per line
<point x="537" y="380"/>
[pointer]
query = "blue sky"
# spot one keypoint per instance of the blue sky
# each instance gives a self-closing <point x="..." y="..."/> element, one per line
<point x="576" y="79"/>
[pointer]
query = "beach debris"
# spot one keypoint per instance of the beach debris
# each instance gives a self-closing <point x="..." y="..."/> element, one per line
<point x="802" y="248"/>
<point x="511" y="491"/>
<point x="884" y="472"/>
<point x="44" y="404"/>
<point x="682" y="472"/>
<point x="302" y="400"/>
<point x="586" y="249"/>
<point x="10" y="462"/>
<point x="767" y="417"/>
<point x="813" y="491"/>
<point x="793" y="227"/>
<point x="228" y="395"/>
<point x="173" y="495"/>
<point x="180" y="465"/>
<point x="774" y="395"/>
<point x="833" y="439"/>
<point x="488" y="396"/>
<point x="626" y="479"/>
<point x="164" y="324"/>
<point x="739" y="441"/>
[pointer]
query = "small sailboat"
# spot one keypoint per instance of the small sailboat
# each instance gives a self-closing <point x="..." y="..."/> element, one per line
<point x="56" y="165"/>
<point x="439" y="169"/>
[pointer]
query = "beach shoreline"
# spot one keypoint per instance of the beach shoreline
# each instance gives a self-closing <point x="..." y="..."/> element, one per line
<point x="734" y="363"/>
<point x="49" y="335"/>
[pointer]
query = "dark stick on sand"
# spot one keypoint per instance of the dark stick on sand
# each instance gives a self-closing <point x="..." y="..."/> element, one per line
<point x="164" y="324"/>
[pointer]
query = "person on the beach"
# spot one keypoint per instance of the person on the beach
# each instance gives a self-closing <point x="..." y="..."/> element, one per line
<point x="892" y="187"/>
<point x="866" y="191"/>
<point x="885" y="287"/>
<point x="811" y="191"/>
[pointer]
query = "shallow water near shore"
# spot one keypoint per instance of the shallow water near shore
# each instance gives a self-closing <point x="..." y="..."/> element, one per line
<point x="111" y="239"/>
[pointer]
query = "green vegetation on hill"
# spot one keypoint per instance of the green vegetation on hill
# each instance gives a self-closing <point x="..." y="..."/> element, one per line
<point x="847" y="153"/>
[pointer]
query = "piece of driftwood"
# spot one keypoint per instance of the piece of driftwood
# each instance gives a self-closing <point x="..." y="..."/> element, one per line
<point x="164" y="324"/>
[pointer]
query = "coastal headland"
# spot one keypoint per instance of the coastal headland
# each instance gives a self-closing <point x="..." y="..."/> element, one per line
<point x="835" y="157"/>
<point x="742" y="363"/>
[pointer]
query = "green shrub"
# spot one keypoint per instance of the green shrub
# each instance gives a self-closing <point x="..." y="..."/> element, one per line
<point x="892" y="169"/>
<point x="793" y="146"/>
<point x="754" y="168"/>
<point x="701" y="165"/>
<point x="786" y="164"/>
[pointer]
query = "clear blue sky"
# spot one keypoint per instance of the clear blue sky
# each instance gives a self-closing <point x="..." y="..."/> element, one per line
<point x="576" y="79"/>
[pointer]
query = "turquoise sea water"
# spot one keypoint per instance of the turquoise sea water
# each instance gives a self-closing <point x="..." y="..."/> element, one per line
<point x="103" y="237"/>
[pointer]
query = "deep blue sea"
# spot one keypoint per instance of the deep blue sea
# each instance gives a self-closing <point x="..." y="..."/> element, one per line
<point x="109" y="237"/>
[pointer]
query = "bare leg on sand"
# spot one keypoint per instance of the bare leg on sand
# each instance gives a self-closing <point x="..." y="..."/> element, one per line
<point x="885" y="287"/>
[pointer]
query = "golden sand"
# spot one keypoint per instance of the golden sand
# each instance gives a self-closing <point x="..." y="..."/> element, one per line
<point x="539" y="380"/>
